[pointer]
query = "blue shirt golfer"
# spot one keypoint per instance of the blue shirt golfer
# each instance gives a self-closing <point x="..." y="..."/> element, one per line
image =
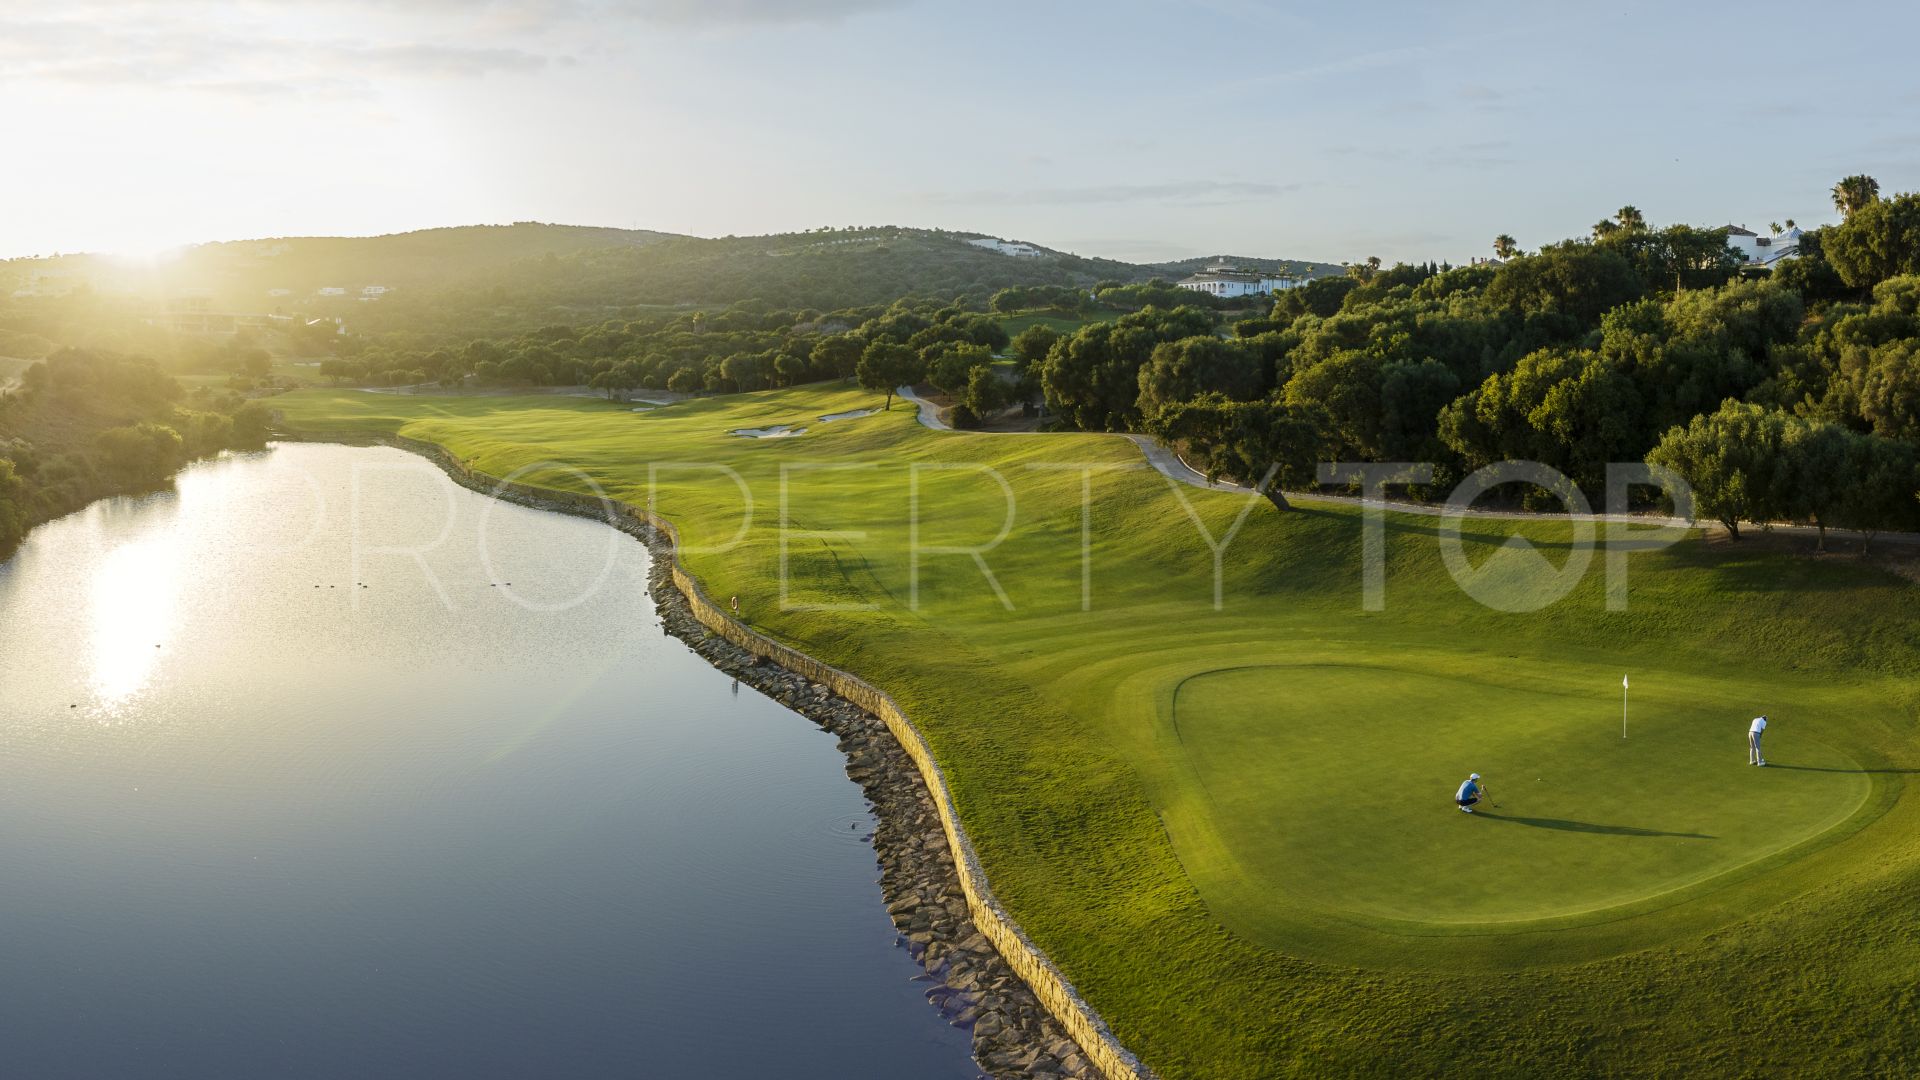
<point x="1469" y="794"/>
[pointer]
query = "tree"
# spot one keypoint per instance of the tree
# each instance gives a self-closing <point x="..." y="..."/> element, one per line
<point x="885" y="365"/>
<point x="1790" y="223"/>
<point x="1189" y="367"/>
<point x="1732" y="459"/>
<point x="986" y="391"/>
<point x="1877" y="488"/>
<point x="13" y="506"/>
<point x="1505" y="246"/>
<point x="1630" y="218"/>
<point x="142" y="453"/>
<point x="1321" y="296"/>
<point x="1678" y="256"/>
<point x="619" y="379"/>
<point x="1887" y="387"/>
<point x="1580" y="281"/>
<point x="1878" y="241"/>
<point x="1817" y="458"/>
<point x="838" y="356"/>
<point x="1855" y="192"/>
<point x="1093" y="377"/>
<point x="1604" y="228"/>
<point x="1777" y="230"/>
<point x="1031" y="345"/>
<point x="1569" y="408"/>
<point x="747" y="371"/>
<point x="989" y="332"/>
<point x="1260" y="442"/>
<point x="792" y="368"/>
<point x="949" y="367"/>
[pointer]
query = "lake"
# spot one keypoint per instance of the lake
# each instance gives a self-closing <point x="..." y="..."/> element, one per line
<point x="321" y="765"/>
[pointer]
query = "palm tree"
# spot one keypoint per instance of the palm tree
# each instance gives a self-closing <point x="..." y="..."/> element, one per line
<point x="1789" y="223"/>
<point x="1777" y="230"/>
<point x="1630" y="217"/>
<point x="1505" y="246"/>
<point x="1373" y="263"/>
<point x="1855" y="192"/>
<point x="1604" y="228"/>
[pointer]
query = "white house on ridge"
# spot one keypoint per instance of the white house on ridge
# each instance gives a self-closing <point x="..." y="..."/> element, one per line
<point x="1008" y="247"/>
<point x="1227" y="280"/>
<point x="1760" y="250"/>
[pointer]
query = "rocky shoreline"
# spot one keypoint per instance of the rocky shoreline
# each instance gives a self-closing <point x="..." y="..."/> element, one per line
<point x="1013" y="1036"/>
<point x="968" y="980"/>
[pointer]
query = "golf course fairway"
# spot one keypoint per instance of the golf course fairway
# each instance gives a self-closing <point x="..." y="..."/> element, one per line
<point x="1217" y="788"/>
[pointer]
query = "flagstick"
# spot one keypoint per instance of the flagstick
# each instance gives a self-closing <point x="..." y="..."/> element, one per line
<point x="1623" y="708"/>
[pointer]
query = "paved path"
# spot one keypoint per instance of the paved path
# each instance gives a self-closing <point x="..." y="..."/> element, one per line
<point x="929" y="412"/>
<point x="1171" y="465"/>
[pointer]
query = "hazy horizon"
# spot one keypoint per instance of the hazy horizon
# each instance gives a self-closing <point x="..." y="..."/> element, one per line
<point x="1143" y="132"/>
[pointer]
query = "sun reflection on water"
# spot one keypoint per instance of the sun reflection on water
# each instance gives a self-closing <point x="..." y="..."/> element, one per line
<point x="133" y="608"/>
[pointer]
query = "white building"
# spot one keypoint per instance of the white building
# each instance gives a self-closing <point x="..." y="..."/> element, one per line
<point x="373" y="292"/>
<point x="1004" y="247"/>
<point x="333" y="290"/>
<point x="1760" y="250"/>
<point x="1224" y="280"/>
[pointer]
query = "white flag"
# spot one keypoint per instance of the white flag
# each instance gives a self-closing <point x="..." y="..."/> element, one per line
<point x="1623" y="682"/>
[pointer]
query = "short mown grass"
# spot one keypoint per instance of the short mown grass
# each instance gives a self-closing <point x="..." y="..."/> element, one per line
<point x="1231" y="825"/>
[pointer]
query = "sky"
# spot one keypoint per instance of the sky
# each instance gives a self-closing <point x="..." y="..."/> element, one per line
<point x="1129" y="129"/>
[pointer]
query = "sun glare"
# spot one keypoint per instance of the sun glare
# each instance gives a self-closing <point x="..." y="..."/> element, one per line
<point x="133" y="609"/>
<point x="147" y="256"/>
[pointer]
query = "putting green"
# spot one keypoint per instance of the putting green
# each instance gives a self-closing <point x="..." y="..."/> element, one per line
<point x="1331" y="786"/>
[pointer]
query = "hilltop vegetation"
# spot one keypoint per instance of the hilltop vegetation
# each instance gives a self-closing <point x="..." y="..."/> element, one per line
<point x="1786" y="396"/>
<point x="85" y="425"/>
<point x="492" y="280"/>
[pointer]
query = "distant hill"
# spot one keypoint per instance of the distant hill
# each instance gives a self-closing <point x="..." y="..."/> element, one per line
<point x="1297" y="267"/>
<point x="484" y="279"/>
<point x="254" y="275"/>
<point x="819" y="269"/>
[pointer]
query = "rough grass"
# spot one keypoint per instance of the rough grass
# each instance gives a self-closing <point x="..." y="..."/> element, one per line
<point x="1161" y="849"/>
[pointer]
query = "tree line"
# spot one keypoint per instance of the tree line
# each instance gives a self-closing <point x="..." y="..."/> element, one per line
<point x="1785" y="396"/>
<point x="86" y="424"/>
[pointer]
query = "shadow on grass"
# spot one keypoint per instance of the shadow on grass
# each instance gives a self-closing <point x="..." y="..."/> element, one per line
<point x="1589" y="827"/>
<point x="1856" y="772"/>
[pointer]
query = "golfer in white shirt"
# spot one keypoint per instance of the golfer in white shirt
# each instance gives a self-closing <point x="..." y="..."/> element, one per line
<point x="1754" y="731"/>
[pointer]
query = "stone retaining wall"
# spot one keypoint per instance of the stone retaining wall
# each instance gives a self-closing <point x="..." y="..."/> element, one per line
<point x="1049" y="985"/>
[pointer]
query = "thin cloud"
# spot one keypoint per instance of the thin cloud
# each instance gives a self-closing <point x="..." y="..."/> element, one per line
<point x="1476" y="155"/>
<point x="171" y="54"/>
<point x="701" y="13"/>
<point x="1184" y="192"/>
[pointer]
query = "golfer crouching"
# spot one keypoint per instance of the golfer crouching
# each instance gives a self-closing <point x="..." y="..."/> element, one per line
<point x="1470" y="792"/>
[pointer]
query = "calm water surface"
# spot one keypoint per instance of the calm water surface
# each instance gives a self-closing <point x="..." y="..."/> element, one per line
<point x="293" y="783"/>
